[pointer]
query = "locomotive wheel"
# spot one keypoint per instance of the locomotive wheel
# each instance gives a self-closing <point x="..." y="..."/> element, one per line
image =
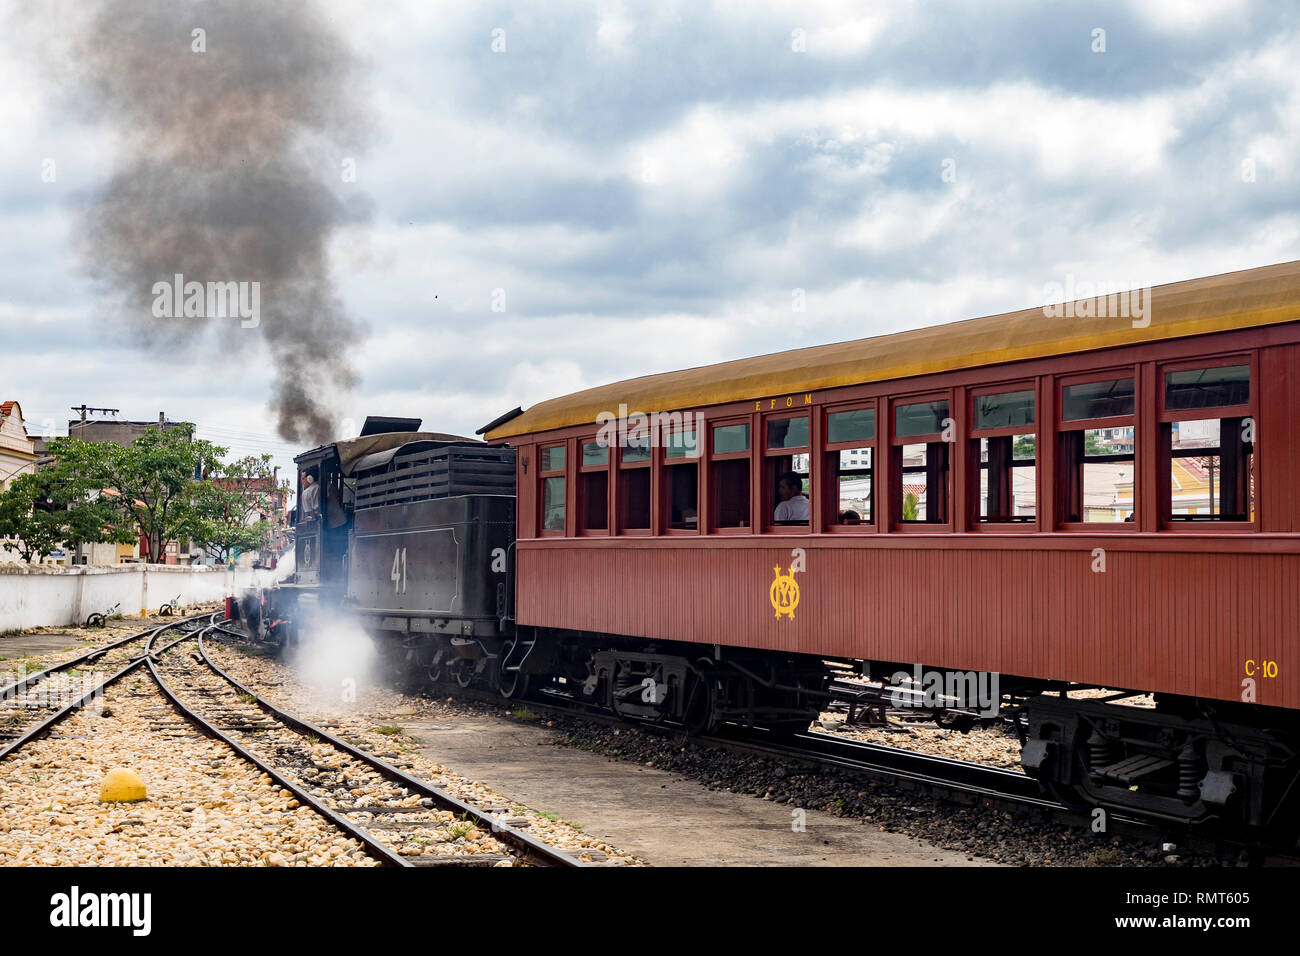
<point x="512" y="684"/>
<point x="463" y="671"/>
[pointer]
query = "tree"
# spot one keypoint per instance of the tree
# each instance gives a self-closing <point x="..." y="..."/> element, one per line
<point x="227" y="508"/>
<point x="151" y="484"/>
<point x="911" y="507"/>
<point x="56" y="506"/>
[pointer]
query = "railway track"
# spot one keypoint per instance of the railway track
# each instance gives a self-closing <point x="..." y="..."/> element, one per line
<point x="31" y="706"/>
<point x="202" y="697"/>
<point x="956" y="780"/>
<point x="400" y="817"/>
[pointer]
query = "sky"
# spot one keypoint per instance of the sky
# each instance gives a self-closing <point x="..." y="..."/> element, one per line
<point x="565" y="194"/>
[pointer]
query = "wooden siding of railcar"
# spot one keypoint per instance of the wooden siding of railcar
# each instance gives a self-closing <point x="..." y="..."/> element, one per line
<point x="1175" y="614"/>
<point x="1190" y="609"/>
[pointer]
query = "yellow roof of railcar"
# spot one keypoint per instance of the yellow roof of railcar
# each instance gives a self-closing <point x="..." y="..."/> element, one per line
<point x="1268" y="295"/>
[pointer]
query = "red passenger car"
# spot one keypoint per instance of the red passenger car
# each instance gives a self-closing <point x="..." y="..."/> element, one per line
<point x="1099" y="495"/>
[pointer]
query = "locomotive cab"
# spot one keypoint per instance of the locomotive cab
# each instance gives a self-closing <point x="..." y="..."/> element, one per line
<point x="322" y="535"/>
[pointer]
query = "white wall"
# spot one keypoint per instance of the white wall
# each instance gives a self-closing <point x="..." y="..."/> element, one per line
<point x="40" y="596"/>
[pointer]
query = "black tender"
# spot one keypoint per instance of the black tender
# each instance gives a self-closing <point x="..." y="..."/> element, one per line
<point x="423" y="470"/>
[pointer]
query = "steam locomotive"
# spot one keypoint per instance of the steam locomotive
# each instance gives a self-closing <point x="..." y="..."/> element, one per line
<point x="414" y="541"/>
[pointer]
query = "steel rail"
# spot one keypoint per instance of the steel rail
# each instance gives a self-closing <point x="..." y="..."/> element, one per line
<point x="44" y="727"/>
<point x="895" y="763"/>
<point x="941" y="774"/>
<point x="376" y="849"/>
<point x="529" y="847"/>
<point x="18" y="687"/>
<point x="945" y="775"/>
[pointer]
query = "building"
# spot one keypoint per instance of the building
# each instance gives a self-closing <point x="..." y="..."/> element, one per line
<point x="18" y="455"/>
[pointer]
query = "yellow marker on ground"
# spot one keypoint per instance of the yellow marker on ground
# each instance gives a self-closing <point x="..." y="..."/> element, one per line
<point x="122" y="786"/>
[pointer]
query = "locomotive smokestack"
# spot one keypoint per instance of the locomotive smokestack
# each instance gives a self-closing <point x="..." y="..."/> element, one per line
<point x="238" y="127"/>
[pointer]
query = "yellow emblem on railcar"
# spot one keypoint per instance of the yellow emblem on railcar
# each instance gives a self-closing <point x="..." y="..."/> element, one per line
<point x="784" y="593"/>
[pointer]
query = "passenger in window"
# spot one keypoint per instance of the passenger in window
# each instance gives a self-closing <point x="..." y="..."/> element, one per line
<point x="850" y="517"/>
<point x="792" y="505"/>
<point x="310" y="494"/>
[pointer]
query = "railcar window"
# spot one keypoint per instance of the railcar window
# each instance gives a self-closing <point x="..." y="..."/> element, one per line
<point x="1004" y="409"/>
<point x="634" y="486"/>
<point x="1098" y="462"/>
<point x="786" y="485"/>
<point x="729" y="476"/>
<point x="551" y="474"/>
<point x="594" y="499"/>
<point x="850" y="467"/>
<point x="1207" y="387"/>
<point x="1106" y="399"/>
<point x="635" y="450"/>
<point x="1003" y="442"/>
<point x="924" y="482"/>
<point x="855" y="477"/>
<point x="552" y="459"/>
<point x="920" y="466"/>
<point x="683" y="444"/>
<point x="787" y="432"/>
<point x="859" y="424"/>
<point x="593" y="487"/>
<point x="1099" y="467"/>
<point x="730" y="482"/>
<point x="1211" y="471"/>
<point x="552" y="504"/>
<point x="920" y="418"/>
<point x="1008" y="475"/>
<point x="681" y="480"/>
<point x="1209" y="458"/>
<point x="730" y="438"/>
<point x="789" y="489"/>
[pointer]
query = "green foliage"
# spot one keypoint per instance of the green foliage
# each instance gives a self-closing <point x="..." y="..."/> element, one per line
<point x="58" y="506"/>
<point x="226" y="507"/>
<point x="168" y="485"/>
<point x="151" y="483"/>
<point x="911" y="507"/>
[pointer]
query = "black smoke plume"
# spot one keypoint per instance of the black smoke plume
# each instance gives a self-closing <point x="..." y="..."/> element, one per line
<point x="230" y="169"/>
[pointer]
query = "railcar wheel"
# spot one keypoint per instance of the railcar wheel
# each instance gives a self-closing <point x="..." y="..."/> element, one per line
<point x="463" y="671"/>
<point x="512" y="684"/>
<point x="697" y="712"/>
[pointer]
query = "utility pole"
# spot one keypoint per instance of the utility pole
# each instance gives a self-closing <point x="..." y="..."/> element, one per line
<point x="81" y="557"/>
<point x="83" y="408"/>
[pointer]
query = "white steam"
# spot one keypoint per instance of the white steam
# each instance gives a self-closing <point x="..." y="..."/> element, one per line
<point x="338" y="663"/>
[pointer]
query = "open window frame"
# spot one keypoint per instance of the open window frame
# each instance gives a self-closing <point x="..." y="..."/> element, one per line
<point x="1165" y="452"/>
<point x="1063" y="479"/>
<point x="830" y="454"/>
<point x="975" y="466"/>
